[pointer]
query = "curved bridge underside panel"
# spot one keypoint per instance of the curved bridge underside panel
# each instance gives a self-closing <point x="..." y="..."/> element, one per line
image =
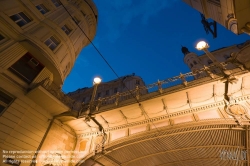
<point x="195" y="145"/>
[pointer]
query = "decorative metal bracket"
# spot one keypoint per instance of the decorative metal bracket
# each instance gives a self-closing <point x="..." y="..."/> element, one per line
<point x="182" y="77"/>
<point x="99" y="103"/>
<point x="208" y="71"/>
<point x="99" y="143"/>
<point x="137" y="91"/>
<point x="159" y="86"/>
<point x="236" y="110"/>
<point x="117" y="96"/>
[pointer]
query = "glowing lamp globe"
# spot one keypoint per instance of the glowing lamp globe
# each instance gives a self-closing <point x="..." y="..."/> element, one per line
<point x="202" y="45"/>
<point x="97" y="80"/>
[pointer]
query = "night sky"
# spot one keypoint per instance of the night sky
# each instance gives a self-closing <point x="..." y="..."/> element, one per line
<point x="143" y="37"/>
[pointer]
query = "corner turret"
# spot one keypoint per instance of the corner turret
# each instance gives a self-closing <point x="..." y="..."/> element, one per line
<point x="192" y="60"/>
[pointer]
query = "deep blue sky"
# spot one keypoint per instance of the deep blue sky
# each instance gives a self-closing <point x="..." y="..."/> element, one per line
<point x="143" y="37"/>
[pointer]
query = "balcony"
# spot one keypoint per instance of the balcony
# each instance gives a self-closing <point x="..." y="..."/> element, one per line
<point x="50" y="97"/>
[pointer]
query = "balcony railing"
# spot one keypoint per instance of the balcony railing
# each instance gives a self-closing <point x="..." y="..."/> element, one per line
<point x="211" y="71"/>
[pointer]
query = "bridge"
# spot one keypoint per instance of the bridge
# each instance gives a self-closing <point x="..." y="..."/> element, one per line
<point x="181" y="121"/>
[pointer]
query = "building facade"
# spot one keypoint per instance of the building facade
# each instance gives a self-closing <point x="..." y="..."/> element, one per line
<point x="224" y="54"/>
<point x="110" y="88"/>
<point x="195" y="122"/>
<point x="232" y="14"/>
<point x="39" y="43"/>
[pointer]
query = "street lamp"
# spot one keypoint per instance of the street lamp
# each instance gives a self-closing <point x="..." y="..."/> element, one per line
<point x="202" y="45"/>
<point x="97" y="81"/>
<point x="101" y="139"/>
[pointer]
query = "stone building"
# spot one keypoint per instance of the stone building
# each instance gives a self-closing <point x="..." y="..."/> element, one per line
<point x="199" y="118"/>
<point x="232" y="14"/>
<point x="39" y="43"/>
<point x="110" y="88"/>
<point x="224" y="54"/>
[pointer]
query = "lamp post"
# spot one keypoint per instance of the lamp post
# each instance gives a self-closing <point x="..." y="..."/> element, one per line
<point x="97" y="81"/>
<point x="202" y="45"/>
<point x="100" y="139"/>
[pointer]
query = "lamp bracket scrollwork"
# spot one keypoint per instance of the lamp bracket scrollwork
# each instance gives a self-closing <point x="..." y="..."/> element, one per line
<point x="99" y="103"/>
<point x="117" y="97"/>
<point x="236" y="110"/>
<point x="208" y="71"/>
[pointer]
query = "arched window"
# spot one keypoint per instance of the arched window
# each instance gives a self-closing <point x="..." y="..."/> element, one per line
<point x="195" y="62"/>
<point x="191" y="65"/>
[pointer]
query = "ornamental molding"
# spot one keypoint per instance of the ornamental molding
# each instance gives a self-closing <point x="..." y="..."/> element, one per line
<point x="171" y="115"/>
<point x="237" y="110"/>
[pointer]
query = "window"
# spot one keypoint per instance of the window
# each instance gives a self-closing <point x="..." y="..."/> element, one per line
<point x="52" y="43"/>
<point x="98" y="94"/>
<point x="115" y="90"/>
<point x="26" y="68"/>
<point x="5" y="101"/>
<point x="226" y="56"/>
<point x="83" y="13"/>
<point x="195" y="62"/>
<point x="191" y="65"/>
<point x="66" y="29"/>
<point x="66" y="69"/>
<point x="42" y="8"/>
<point x="1" y="37"/>
<point x="76" y="20"/>
<point x="83" y="99"/>
<point x="214" y="71"/>
<point x="215" y="2"/>
<point x="137" y="82"/>
<point x="20" y="19"/>
<point x="209" y="61"/>
<point x="107" y="92"/>
<point x="56" y="3"/>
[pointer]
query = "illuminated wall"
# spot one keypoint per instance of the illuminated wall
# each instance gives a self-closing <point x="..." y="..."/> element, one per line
<point x="39" y="44"/>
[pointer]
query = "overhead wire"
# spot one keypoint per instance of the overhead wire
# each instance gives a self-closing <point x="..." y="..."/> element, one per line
<point x="140" y="105"/>
<point x="96" y="49"/>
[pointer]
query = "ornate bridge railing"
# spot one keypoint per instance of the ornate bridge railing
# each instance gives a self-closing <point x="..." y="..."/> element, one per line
<point x="221" y="69"/>
<point x="214" y="70"/>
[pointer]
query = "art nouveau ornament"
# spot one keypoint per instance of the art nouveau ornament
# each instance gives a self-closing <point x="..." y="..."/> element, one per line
<point x="237" y="110"/>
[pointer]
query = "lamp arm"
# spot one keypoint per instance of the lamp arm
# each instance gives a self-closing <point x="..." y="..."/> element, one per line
<point x="94" y="93"/>
<point x="210" y="56"/>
